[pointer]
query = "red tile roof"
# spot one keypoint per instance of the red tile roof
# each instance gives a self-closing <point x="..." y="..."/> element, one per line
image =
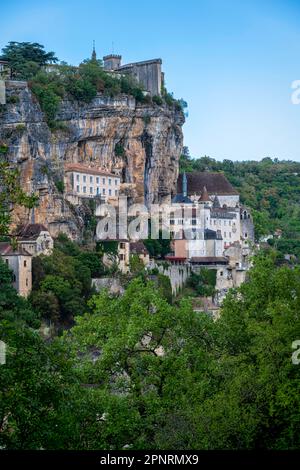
<point x="70" y="167"/>
<point x="138" y="248"/>
<point x="7" y="250"/>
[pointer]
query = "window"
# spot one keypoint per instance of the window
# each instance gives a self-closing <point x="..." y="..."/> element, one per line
<point x="84" y="178"/>
<point x="84" y="189"/>
<point x="91" y="179"/>
<point x="91" y="189"/>
<point x="246" y="235"/>
<point x="229" y="222"/>
<point x="103" y="190"/>
<point x="78" y="178"/>
<point x="122" y="257"/>
<point x="229" y="234"/>
<point x="103" y="180"/>
<point x="109" y="192"/>
<point x="116" y="182"/>
<point x="109" y="181"/>
<point x="97" y="180"/>
<point x="26" y="282"/>
<point x="25" y="264"/>
<point x="224" y="222"/>
<point x="78" y="188"/>
<point x="225" y="234"/>
<point x="98" y="190"/>
<point x="122" y="245"/>
<point x="221" y="273"/>
<point x="6" y="261"/>
<point x="116" y="192"/>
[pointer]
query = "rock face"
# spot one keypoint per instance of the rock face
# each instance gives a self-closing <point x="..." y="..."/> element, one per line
<point x="142" y="143"/>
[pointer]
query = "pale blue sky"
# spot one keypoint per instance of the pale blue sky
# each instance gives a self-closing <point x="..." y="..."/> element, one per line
<point x="233" y="61"/>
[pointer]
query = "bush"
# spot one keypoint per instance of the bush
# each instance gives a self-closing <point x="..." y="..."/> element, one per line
<point x="12" y="99"/>
<point x="119" y="150"/>
<point x="157" y="100"/>
<point x="203" y="283"/>
<point x="3" y="149"/>
<point x="60" y="186"/>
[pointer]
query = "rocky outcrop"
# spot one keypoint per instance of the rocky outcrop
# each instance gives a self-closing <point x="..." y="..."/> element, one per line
<point x="140" y="142"/>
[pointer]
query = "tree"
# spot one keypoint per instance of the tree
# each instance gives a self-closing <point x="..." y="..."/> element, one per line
<point x="26" y="58"/>
<point x="139" y="352"/>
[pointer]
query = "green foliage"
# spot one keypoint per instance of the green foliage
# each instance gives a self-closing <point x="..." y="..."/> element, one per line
<point x="11" y="194"/>
<point x="60" y="186"/>
<point x="108" y="246"/>
<point x="26" y="58"/>
<point x="3" y="149"/>
<point x="13" y="99"/>
<point x="136" y="265"/>
<point x="119" y="149"/>
<point x="79" y="83"/>
<point x="203" y="283"/>
<point x="271" y="188"/>
<point x="62" y="281"/>
<point x="164" y="287"/>
<point x="158" y="248"/>
<point x="140" y="372"/>
<point x="157" y="100"/>
<point x="49" y="90"/>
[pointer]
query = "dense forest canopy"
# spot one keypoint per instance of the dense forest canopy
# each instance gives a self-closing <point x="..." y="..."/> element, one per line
<point x="137" y="372"/>
<point x="270" y="187"/>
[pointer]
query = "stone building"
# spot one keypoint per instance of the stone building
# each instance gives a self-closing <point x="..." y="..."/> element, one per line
<point x="35" y="239"/>
<point x="125" y="249"/>
<point x="90" y="182"/>
<point x="209" y="223"/>
<point x="5" y="70"/>
<point x="19" y="261"/>
<point x="148" y="72"/>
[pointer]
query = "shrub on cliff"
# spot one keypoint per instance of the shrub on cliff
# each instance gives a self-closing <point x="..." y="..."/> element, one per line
<point x="79" y="83"/>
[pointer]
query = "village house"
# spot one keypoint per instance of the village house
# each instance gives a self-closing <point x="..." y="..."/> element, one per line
<point x="20" y="263"/>
<point x="91" y="182"/>
<point x="35" y="239"/>
<point x="207" y="218"/>
<point x="124" y="250"/>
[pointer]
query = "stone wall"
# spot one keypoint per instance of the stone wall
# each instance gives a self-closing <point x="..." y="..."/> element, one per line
<point x="112" y="284"/>
<point x="178" y="275"/>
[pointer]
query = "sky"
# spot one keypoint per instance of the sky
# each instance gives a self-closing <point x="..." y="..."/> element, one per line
<point x="233" y="61"/>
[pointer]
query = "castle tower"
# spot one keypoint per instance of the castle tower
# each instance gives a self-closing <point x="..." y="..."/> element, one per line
<point x="94" y="55"/>
<point x="112" y="61"/>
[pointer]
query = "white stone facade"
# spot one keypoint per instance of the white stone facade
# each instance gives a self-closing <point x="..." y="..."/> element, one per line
<point x="90" y="183"/>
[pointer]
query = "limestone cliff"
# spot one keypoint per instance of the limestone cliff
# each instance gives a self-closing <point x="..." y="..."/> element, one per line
<point x="141" y="142"/>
